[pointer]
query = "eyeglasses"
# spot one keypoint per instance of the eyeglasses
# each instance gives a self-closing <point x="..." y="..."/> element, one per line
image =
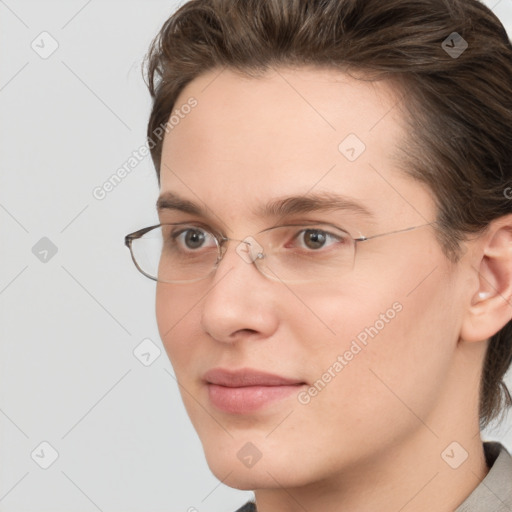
<point x="292" y="253"/>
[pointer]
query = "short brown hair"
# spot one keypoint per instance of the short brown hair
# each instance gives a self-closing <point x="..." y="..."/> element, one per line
<point x="459" y="106"/>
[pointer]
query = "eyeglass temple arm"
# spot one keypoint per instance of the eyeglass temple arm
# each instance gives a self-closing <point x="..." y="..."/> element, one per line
<point x="363" y="238"/>
<point x="137" y="234"/>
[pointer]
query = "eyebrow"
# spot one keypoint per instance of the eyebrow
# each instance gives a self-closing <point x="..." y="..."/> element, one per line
<point x="280" y="207"/>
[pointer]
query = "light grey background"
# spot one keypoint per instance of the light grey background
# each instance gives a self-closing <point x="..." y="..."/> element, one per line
<point x="69" y="325"/>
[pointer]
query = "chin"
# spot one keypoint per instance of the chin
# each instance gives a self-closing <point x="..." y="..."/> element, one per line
<point x="246" y="479"/>
<point x="271" y="470"/>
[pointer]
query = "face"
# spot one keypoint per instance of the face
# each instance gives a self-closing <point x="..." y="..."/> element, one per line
<point x="348" y="347"/>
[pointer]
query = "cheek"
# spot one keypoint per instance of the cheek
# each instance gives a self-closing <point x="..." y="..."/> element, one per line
<point x="394" y="334"/>
<point x="397" y="366"/>
<point x="176" y="313"/>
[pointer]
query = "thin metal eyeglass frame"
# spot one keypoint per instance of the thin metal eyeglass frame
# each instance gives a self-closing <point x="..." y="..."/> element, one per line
<point x="222" y="248"/>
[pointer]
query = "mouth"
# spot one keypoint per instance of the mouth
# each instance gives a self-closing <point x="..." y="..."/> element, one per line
<point x="247" y="390"/>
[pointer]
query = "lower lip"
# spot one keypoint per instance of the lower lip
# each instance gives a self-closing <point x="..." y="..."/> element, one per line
<point x="247" y="399"/>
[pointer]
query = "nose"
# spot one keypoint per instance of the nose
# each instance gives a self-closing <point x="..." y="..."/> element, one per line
<point x="241" y="303"/>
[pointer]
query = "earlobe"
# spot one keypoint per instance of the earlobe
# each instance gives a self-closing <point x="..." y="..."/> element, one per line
<point x="490" y="307"/>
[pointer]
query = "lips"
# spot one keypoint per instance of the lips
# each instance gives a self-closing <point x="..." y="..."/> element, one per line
<point x="247" y="390"/>
<point x="246" y="377"/>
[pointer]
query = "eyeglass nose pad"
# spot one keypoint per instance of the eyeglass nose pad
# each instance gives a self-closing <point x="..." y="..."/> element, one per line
<point x="250" y="250"/>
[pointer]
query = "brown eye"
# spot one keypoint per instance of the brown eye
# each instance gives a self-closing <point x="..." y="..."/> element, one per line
<point x="314" y="239"/>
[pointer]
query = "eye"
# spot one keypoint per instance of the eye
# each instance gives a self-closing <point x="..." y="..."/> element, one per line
<point x="192" y="238"/>
<point x="316" y="239"/>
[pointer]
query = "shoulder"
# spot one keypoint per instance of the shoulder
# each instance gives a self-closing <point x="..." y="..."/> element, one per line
<point x="495" y="491"/>
<point x="250" y="506"/>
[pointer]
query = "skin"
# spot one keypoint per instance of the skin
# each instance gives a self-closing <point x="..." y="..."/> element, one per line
<point x="373" y="437"/>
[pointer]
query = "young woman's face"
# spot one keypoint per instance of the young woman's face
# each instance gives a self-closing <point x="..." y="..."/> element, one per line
<point x="367" y="353"/>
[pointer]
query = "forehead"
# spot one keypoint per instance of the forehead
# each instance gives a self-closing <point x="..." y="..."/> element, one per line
<point x="289" y="131"/>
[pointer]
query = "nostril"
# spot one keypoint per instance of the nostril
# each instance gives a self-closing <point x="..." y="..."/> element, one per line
<point x="244" y="332"/>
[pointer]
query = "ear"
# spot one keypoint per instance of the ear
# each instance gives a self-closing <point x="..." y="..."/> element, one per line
<point x="490" y="308"/>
